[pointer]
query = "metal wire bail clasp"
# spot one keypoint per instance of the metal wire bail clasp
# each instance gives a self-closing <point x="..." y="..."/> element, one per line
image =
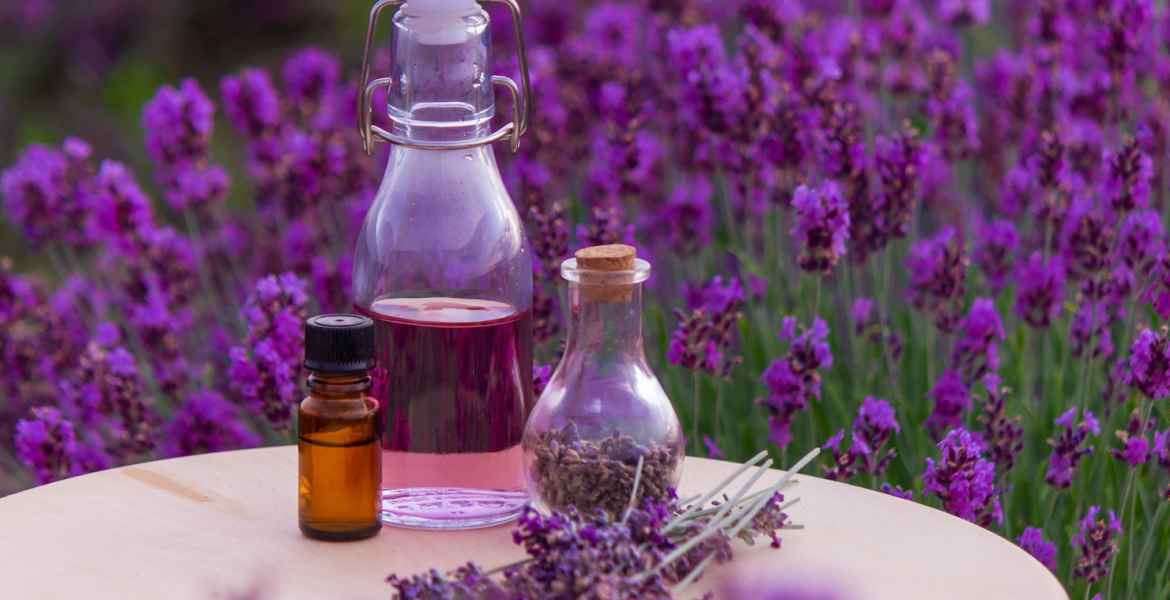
<point x="521" y="102"/>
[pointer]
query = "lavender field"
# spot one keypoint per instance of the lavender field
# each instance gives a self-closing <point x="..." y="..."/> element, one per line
<point x="927" y="237"/>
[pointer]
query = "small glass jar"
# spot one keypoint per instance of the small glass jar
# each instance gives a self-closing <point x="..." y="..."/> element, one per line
<point x="603" y="411"/>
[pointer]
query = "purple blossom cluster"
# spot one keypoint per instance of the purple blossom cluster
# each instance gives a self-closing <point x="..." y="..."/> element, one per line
<point x="976" y="350"/>
<point x="794" y="379"/>
<point x="963" y="480"/>
<point x="575" y="555"/>
<point x="178" y="125"/>
<point x="142" y="358"/>
<point x="1096" y="541"/>
<point x="1149" y="364"/>
<point x="952" y="400"/>
<point x="821" y="226"/>
<point x="874" y="426"/>
<point x="265" y="373"/>
<point x="1004" y="435"/>
<point x="938" y="271"/>
<point x="706" y="334"/>
<point x="1033" y="542"/>
<point x="1135" y="445"/>
<point x="1069" y="446"/>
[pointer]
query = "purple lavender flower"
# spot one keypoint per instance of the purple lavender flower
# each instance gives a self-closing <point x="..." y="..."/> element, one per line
<point x="311" y="79"/>
<point x="1161" y="451"/>
<point x="1016" y="191"/>
<point x="821" y="226"/>
<point x="549" y="232"/>
<point x="713" y="450"/>
<point x="1039" y="290"/>
<point x="1069" y="446"/>
<point x="685" y="219"/>
<point x="976" y="348"/>
<point x="332" y="281"/>
<point x="1141" y="241"/>
<point x="794" y="379"/>
<point x="962" y="13"/>
<point x="1089" y="329"/>
<point x="874" y="426"/>
<point x="251" y="103"/>
<point x="862" y="314"/>
<point x="1149" y="364"/>
<point x="938" y="270"/>
<point x="106" y="392"/>
<point x="994" y="251"/>
<point x="1086" y="238"/>
<point x="627" y="160"/>
<point x="47" y="193"/>
<point x="267" y="376"/>
<point x="844" y="464"/>
<point x="710" y="93"/>
<point x="611" y="40"/>
<point x="1121" y="36"/>
<point x="951" y="399"/>
<point x="47" y="444"/>
<point x="897" y="491"/>
<point x="207" y="423"/>
<point x="1097" y="541"/>
<point x="963" y="480"/>
<point x="605" y="227"/>
<point x="121" y="211"/>
<point x="178" y="123"/>
<point x="1127" y="185"/>
<point x="1033" y="542"/>
<point x="898" y="160"/>
<point x="956" y="130"/>
<point x="1135" y="452"/>
<point x="706" y="331"/>
<point x="1004" y="435"/>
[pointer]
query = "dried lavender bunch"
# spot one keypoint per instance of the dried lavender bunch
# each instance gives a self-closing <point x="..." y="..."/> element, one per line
<point x="655" y="549"/>
<point x="598" y="474"/>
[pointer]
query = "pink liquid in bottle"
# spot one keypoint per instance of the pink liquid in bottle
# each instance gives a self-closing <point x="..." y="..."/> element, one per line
<point x="454" y="385"/>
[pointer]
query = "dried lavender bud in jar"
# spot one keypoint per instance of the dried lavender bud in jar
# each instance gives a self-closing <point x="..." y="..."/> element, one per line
<point x="591" y="474"/>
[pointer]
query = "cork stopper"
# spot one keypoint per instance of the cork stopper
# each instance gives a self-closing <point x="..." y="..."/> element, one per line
<point x="610" y="257"/>
<point x="602" y="269"/>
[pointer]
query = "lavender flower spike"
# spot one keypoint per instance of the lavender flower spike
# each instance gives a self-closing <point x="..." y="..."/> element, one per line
<point x="1069" y="446"/>
<point x="1040" y="290"/>
<point x="951" y="399"/>
<point x="1097" y="541"/>
<point x="976" y="348"/>
<point x="1033" y="542"/>
<point x="1149" y="364"/>
<point x="821" y="227"/>
<point x="963" y="480"/>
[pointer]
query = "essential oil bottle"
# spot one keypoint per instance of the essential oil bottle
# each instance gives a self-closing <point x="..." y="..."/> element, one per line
<point x="339" y="450"/>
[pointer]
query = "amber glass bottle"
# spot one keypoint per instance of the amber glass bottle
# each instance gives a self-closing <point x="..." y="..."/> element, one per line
<point x="339" y="446"/>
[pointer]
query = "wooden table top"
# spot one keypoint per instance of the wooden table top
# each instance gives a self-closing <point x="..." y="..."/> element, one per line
<point x="224" y="525"/>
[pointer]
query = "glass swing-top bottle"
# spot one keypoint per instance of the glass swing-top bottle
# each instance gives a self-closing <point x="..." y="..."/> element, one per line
<point x="443" y="268"/>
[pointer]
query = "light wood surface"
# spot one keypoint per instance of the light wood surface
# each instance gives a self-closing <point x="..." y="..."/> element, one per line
<point x="224" y="525"/>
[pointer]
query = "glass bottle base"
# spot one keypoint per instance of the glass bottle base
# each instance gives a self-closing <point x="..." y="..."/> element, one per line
<point x="450" y="507"/>
<point x="336" y="533"/>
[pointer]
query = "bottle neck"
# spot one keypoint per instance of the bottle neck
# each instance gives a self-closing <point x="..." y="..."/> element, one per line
<point x="605" y="325"/>
<point x="442" y="84"/>
<point x="338" y="386"/>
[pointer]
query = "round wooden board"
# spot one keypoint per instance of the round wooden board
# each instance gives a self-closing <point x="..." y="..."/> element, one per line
<point x="224" y="525"/>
